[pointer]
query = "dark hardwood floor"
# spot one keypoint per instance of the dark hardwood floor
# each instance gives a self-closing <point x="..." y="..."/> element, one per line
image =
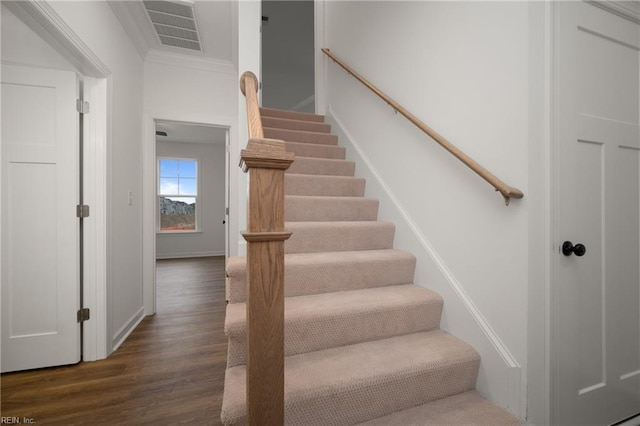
<point x="169" y="371"/>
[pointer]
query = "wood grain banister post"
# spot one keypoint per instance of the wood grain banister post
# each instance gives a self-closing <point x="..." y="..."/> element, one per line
<point x="508" y="192"/>
<point x="265" y="160"/>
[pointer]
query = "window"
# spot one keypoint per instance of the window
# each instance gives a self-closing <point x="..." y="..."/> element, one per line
<point x="177" y="194"/>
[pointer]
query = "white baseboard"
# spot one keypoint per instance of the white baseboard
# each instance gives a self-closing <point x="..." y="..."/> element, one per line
<point x="635" y="421"/>
<point x="504" y="363"/>
<point x="303" y="103"/>
<point x="242" y="248"/>
<point x="121" y="335"/>
<point x="191" y="254"/>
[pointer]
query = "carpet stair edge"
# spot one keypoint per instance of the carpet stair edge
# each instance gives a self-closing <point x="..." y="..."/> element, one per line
<point x="326" y="320"/>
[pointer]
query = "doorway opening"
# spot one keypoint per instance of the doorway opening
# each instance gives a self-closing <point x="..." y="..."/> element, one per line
<point x="288" y="55"/>
<point x="190" y="191"/>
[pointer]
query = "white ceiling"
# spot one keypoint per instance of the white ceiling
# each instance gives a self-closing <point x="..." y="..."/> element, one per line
<point x="215" y="21"/>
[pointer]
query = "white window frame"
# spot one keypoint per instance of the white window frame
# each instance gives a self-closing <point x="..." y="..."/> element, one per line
<point x="197" y="196"/>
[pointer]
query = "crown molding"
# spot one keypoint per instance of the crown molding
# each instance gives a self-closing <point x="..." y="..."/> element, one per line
<point x="189" y="61"/>
<point x="122" y="11"/>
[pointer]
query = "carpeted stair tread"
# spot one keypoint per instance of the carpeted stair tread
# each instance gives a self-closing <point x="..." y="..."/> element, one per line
<point x="300" y="136"/>
<point x="322" y="166"/>
<point x="328" y="320"/>
<point x="465" y="409"/>
<point x="287" y="123"/>
<point x="293" y="115"/>
<point x="302" y="208"/>
<point x="323" y="185"/>
<point x="314" y="273"/>
<point x="355" y="383"/>
<point x="313" y="237"/>
<point x="316" y="150"/>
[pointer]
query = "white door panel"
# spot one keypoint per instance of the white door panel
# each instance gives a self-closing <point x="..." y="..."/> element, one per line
<point x="597" y="320"/>
<point x="40" y="232"/>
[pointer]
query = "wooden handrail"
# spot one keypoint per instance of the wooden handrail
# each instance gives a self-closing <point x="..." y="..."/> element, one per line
<point x="265" y="160"/>
<point x="249" y="88"/>
<point x="507" y="191"/>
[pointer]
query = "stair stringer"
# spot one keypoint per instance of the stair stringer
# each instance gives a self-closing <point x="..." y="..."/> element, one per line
<point x="500" y="378"/>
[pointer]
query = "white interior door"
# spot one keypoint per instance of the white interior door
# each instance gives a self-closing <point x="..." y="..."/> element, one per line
<point x="597" y="316"/>
<point x="40" y="230"/>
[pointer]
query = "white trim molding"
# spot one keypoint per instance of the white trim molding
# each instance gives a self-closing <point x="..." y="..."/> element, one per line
<point x="623" y="9"/>
<point x="190" y="254"/>
<point x="95" y="230"/>
<point x="121" y="335"/>
<point x="303" y="103"/>
<point x="149" y="194"/>
<point x="321" y="63"/>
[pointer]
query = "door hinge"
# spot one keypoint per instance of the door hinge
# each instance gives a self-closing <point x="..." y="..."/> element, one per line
<point x="83" y="314"/>
<point x="82" y="211"/>
<point x="82" y="106"/>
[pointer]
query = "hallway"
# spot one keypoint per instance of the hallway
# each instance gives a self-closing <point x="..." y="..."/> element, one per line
<point x="169" y="371"/>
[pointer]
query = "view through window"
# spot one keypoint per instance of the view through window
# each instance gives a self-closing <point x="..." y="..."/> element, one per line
<point x="177" y="194"/>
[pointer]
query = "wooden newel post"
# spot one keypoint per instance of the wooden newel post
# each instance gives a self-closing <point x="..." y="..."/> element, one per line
<point x="266" y="161"/>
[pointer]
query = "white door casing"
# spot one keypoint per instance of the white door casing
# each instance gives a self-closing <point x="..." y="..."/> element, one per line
<point x="227" y="194"/>
<point x="596" y="313"/>
<point x="40" y="243"/>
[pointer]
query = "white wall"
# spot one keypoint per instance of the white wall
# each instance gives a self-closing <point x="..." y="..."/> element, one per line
<point x="462" y="67"/>
<point x="209" y="240"/>
<point x="248" y="57"/>
<point x="176" y="85"/>
<point x="179" y="89"/>
<point x="288" y="55"/>
<point x="21" y="45"/>
<point x="96" y="25"/>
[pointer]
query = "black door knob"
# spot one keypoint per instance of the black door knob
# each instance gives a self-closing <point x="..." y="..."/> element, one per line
<point x="568" y="248"/>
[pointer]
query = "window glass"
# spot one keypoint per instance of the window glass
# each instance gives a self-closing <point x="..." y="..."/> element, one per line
<point x="177" y="194"/>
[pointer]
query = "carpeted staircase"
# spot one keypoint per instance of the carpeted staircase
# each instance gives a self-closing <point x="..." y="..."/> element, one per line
<point x="362" y="342"/>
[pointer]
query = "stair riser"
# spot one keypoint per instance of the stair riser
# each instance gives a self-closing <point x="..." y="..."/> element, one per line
<point x="324" y="167"/>
<point x="469" y="408"/>
<point x="291" y="115"/>
<point x="315" y="150"/>
<point x="304" y="278"/>
<point x="328" y="209"/>
<point x="345" y="329"/>
<point x="355" y="403"/>
<point x="400" y="393"/>
<point x="306" y="126"/>
<point x="306" y="239"/>
<point x="318" y="185"/>
<point x="301" y="136"/>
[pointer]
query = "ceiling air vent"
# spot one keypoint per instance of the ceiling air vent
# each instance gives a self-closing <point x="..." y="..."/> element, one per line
<point x="174" y="23"/>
